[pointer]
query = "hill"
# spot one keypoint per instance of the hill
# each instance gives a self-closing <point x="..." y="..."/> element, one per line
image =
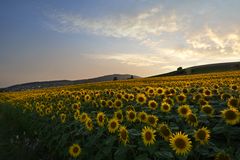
<point x="46" y="84"/>
<point x="208" y="68"/>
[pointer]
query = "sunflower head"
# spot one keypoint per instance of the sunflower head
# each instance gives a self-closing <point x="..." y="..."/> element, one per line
<point x="181" y="98"/>
<point x="233" y="102"/>
<point x="207" y="109"/>
<point x="131" y="116"/>
<point x="225" y="96"/>
<point x="87" y="98"/>
<point x="100" y="119"/>
<point x="148" y="136"/>
<point x="152" y="120"/>
<point x="109" y="103"/>
<point x="141" y="98"/>
<point x="234" y="87"/>
<point x="169" y="101"/>
<point x="103" y="103"/>
<point x="123" y="135"/>
<point x="165" y="107"/>
<point x="164" y="131"/>
<point x="152" y="104"/>
<point x="142" y="116"/>
<point x="89" y="124"/>
<point x="83" y="117"/>
<point x="159" y="91"/>
<point x="180" y="143"/>
<point x="118" y="103"/>
<point x="184" y="110"/>
<point x="231" y="116"/>
<point x="202" y="135"/>
<point x="192" y="119"/>
<point x="113" y="125"/>
<point x="118" y="115"/>
<point x="203" y="102"/>
<point x="63" y="117"/>
<point x="207" y="92"/>
<point x="74" y="150"/>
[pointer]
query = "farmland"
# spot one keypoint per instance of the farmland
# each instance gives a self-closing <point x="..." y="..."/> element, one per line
<point x="178" y="117"/>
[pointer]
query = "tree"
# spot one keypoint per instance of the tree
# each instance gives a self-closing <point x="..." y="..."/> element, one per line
<point x="179" y="69"/>
<point x="115" y="78"/>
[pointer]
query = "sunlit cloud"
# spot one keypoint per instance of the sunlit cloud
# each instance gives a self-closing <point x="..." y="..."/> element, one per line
<point x="141" y="60"/>
<point x="140" y="26"/>
<point x="171" y="38"/>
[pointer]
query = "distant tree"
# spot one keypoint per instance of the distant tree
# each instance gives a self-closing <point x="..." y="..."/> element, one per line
<point x="115" y="78"/>
<point x="131" y="77"/>
<point x="179" y="69"/>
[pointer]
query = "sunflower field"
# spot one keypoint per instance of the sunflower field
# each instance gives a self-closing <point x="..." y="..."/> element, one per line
<point x="183" y="117"/>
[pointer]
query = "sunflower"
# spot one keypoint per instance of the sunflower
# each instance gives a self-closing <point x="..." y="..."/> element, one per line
<point x="222" y="156"/>
<point x="74" y="150"/>
<point x="76" y="115"/>
<point x="197" y="97"/>
<point x="89" y="124"/>
<point x="202" y="135"/>
<point x="118" y="115"/>
<point x="113" y="125"/>
<point x="152" y="104"/>
<point x="233" y="102"/>
<point x="203" y="102"/>
<point x="87" y="98"/>
<point x="164" y="131"/>
<point x="160" y="91"/>
<point x="142" y="116"/>
<point x="207" y="109"/>
<point x="234" y="87"/>
<point x="152" y="120"/>
<point x="184" y="110"/>
<point x="83" y="117"/>
<point x="118" y="103"/>
<point x="231" y="115"/>
<point x="181" y="98"/>
<point x="207" y="92"/>
<point x="192" y="119"/>
<point x="180" y="143"/>
<point x="225" y="96"/>
<point x="131" y="116"/>
<point x="169" y="101"/>
<point x="63" y="117"/>
<point x="165" y="107"/>
<point x="123" y="135"/>
<point x="131" y="97"/>
<point x="126" y="97"/>
<point x="148" y="136"/>
<point x="103" y="103"/>
<point x="109" y="103"/>
<point x="150" y="91"/>
<point x="141" y="98"/>
<point x="76" y="106"/>
<point x="100" y="119"/>
<point x="130" y="108"/>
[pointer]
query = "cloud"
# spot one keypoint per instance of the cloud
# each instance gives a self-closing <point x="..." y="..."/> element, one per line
<point x="139" y="27"/>
<point x="140" y="60"/>
<point x="173" y="39"/>
<point x="210" y="42"/>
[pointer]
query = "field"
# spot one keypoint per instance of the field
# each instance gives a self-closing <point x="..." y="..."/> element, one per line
<point x="182" y="117"/>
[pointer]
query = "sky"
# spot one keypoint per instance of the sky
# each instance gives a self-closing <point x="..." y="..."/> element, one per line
<point x="44" y="40"/>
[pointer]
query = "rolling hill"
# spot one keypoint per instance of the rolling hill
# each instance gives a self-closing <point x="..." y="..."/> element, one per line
<point x="208" y="68"/>
<point x="46" y="84"/>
